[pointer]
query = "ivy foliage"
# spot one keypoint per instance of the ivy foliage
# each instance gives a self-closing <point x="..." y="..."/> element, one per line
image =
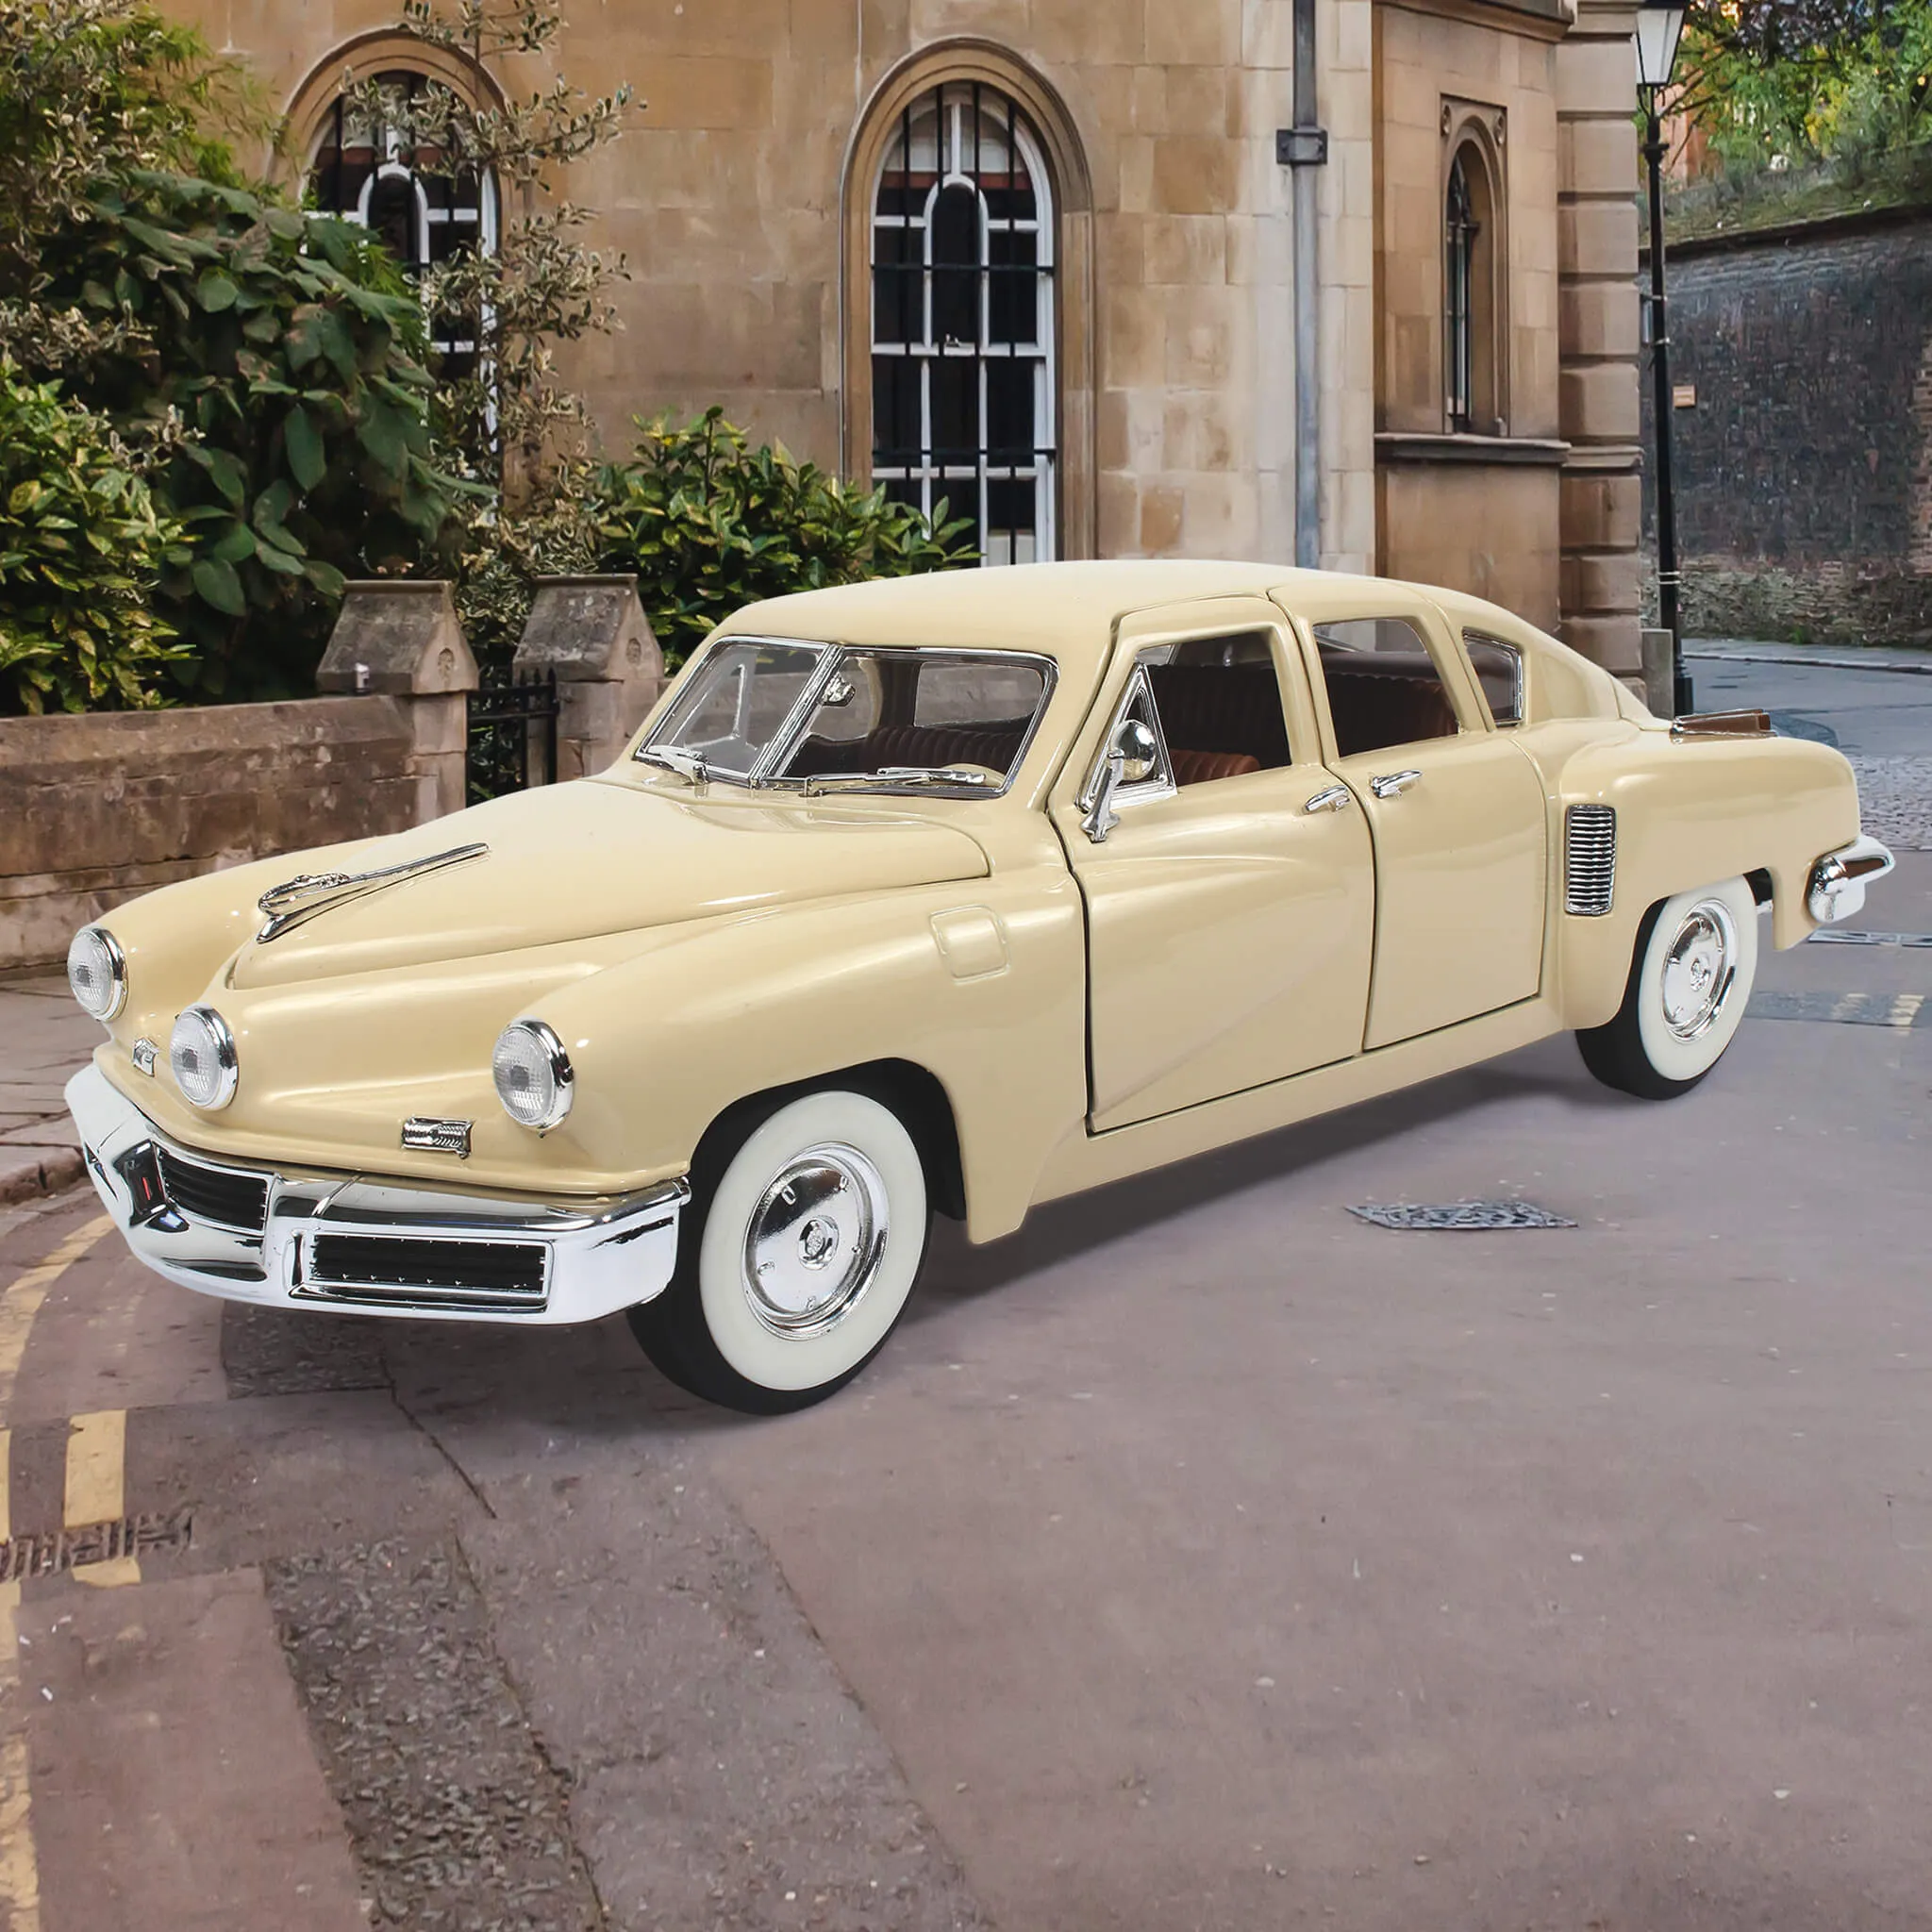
<point x="709" y="522"/>
<point x="1780" y="82"/>
<point x="81" y="548"/>
<point x="287" y="351"/>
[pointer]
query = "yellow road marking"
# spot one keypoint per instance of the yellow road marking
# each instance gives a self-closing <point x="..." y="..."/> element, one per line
<point x="96" y="1449"/>
<point x="20" y="1872"/>
<point x="26" y="1292"/>
<point x="97" y="1488"/>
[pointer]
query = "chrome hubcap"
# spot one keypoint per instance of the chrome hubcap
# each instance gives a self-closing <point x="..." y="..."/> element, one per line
<point x="1699" y="970"/>
<point x="814" y="1242"/>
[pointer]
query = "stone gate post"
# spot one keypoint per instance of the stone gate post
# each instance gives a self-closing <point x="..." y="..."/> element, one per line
<point x="592" y="633"/>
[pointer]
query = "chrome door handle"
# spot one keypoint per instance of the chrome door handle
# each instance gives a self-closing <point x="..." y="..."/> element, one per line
<point x="1334" y="799"/>
<point x="1394" y="783"/>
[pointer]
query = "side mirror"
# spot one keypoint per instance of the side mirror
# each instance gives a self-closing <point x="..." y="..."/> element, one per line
<point x="1137" y="750"/>
<point x="1133" y="758"/>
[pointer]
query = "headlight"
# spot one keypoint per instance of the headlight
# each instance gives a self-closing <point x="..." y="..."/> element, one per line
<point x="532" y="1074"/>
<point x="201" y="1052"/>
<point x="97" y="972"/>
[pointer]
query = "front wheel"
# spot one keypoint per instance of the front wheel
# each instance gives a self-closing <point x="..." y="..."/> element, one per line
<point x="1691" y="978"/>
<point x="797" y="1256"/>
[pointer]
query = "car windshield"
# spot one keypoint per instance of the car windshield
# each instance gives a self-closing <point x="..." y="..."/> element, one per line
<point x="739" y="703"/>
<point x="828" y="719"/>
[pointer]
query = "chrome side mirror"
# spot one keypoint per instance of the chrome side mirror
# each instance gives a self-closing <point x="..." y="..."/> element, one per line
<point x="1132" y="758"/>
<point x="1137" y="750"/>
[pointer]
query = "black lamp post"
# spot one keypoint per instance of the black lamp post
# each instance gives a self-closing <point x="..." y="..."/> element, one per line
<point x="1660" y="24"/>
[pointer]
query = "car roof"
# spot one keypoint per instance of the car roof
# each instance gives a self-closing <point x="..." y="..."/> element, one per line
<point x="1065" y="610"/>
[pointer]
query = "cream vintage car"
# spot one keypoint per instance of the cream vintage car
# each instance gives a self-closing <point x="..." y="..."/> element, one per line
<point x="960" y="892"/>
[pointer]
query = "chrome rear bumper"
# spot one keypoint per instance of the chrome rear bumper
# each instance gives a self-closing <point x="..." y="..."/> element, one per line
<point x="1837" y="887"/>
<point x="304" y="1240"/>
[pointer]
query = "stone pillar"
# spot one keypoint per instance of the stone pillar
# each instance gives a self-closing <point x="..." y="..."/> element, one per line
<point x="401" y="638"/>
<point x="592" y="635"/>
<point x="1599" y="583"/>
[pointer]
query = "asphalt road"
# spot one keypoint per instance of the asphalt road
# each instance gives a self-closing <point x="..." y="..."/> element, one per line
<point x="1201" y="1557"/>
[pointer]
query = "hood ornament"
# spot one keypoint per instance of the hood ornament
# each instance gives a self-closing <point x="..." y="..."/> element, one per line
<point x="309" y="893"/>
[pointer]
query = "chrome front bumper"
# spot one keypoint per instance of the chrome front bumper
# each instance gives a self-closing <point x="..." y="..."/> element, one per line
<point x="305" y="1240"/>
<point x="1837" y="882"/>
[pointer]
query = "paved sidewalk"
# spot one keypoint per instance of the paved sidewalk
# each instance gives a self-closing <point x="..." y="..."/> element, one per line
<point x="43" y="1038"/>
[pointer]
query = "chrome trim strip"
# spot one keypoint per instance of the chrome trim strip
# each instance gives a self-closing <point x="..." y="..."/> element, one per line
<point x="606" y="1253"/>
<point x="308" y="893"/>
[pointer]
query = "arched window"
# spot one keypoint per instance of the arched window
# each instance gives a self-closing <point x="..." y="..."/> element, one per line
<point x="1459" y="239"/>
<point x="1474" y="354"/>
<point x="964" y="391"/>
<point x="368" y="169"/>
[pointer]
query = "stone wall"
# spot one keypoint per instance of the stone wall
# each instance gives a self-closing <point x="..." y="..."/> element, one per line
<point x="1803" y="468"/>
<point x="97" y="809"/>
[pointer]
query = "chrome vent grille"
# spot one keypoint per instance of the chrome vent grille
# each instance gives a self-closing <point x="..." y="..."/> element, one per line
<point x="1590" y="860"/>
<point x="223" y="1195"/>
<point x="426" y="1272"/>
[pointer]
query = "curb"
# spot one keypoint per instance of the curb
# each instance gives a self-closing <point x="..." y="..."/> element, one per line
<point x="28" y="1173"/>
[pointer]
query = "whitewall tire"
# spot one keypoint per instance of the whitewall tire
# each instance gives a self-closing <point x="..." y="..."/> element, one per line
<point x="797" y="1256"/>
<point x="1691" y="979"/>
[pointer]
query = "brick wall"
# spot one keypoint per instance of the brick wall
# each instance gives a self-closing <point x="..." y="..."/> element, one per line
<point x="96" y="810"/>
<point x="1805" y="469"/>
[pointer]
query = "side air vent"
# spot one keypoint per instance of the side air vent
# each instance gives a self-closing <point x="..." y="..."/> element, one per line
<point x="1590" y="860"/>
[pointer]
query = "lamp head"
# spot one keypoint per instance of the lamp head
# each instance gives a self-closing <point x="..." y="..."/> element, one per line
<point x="1659" y="26"/>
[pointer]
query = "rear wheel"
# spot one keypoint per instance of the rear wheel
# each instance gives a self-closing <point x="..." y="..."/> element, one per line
<point x="797" y="1256"/>
<point x="1691" y="979"/>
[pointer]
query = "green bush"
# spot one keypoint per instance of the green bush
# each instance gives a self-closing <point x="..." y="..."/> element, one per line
<point x="290" y="350"/>
<point x="81" y="547"/>
<point x="709" y="522"/>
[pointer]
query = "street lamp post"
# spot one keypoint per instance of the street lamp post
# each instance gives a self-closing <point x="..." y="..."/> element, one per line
<point x="1659" y="23"/>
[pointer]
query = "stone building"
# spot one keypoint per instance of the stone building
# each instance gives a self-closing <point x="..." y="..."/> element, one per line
<point x="1037" y="257"/>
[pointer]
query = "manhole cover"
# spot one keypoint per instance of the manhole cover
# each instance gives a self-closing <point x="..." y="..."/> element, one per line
<point x="1463" y="1214"/>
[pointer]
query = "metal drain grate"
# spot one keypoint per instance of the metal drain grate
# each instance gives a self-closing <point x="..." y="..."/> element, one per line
<point x="1461" y="1215"/>
<point x="51" y="1551"/>
<point x="1836" y="936"/>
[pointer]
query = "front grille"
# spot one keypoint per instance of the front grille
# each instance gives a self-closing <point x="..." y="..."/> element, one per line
<point x="1590" y="860"/>
<point x="450" y="1274"/>
<point x="218" y="1194"/>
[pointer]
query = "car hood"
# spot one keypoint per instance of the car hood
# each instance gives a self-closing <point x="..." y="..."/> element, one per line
<point x="598" y="856"/>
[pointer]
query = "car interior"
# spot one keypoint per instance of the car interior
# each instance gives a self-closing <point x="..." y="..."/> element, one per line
<point x="1383" y="686"/>
<point x="903" y="708"/>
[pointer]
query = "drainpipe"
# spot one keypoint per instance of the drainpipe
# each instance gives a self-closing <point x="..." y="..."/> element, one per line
<point x="1304" y="148"/>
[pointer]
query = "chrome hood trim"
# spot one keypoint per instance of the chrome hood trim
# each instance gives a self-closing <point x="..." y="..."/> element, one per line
<point x="312" y="892"/>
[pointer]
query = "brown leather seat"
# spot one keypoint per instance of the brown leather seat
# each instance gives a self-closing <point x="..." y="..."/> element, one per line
<point x="1211" y="714"/>
<point x="992" y="745"/>
<point x="1202" y="767"/>
<point x="1373" y="709"/>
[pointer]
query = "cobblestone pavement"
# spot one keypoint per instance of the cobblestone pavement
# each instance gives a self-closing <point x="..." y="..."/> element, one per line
<point x="1895" y="800"/>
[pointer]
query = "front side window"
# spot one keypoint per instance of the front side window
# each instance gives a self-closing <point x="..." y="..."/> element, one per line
<point x="765" y="711"/>
<point x="962" y="320"/>
<point x="1220" y="705"/>
<point x="1383" y="685"/>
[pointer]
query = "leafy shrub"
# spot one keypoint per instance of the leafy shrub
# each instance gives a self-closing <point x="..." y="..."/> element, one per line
<point x="709" y="524"/>
<point x="81" y="547"/>
<point x="289" y="349"/>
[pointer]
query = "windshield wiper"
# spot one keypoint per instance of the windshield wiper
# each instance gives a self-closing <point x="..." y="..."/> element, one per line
<point x="956" y="776"/>
<point x="689" y="765"/>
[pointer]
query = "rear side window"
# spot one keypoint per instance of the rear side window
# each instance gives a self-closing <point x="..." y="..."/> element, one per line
<point x="1383" y="686"/>
<point x="1499" y="670"/>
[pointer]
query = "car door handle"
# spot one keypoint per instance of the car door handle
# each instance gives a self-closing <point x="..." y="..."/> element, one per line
<point x="1334" y="799"/>
<point x="1394" y="783"/>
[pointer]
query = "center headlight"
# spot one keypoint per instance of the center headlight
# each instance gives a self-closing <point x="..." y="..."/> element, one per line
<point x="532" y="1074"/>
<point x="201" y="1054"/>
